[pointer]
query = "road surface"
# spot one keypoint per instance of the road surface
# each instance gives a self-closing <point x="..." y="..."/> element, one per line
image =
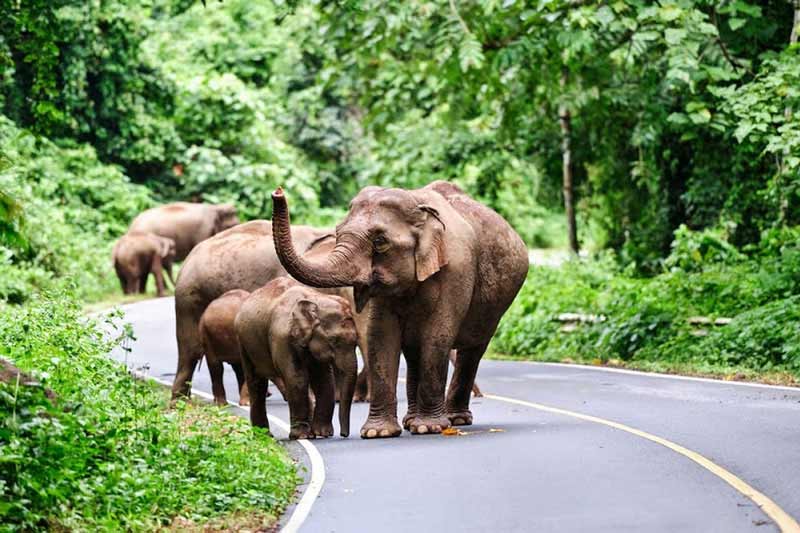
<point x="526" y="467"/>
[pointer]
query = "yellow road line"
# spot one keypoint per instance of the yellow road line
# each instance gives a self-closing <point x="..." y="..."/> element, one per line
<point x="782" y="519"/>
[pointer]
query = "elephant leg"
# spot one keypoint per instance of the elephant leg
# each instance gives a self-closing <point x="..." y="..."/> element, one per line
<point x="257" y="387"/>
<point x="159" y="275"/>
<point x="476" y="391"/>
<point x="190" y="350"/>
<point x="278" y="381"/>
<point x="133" y="285"/>
<point x="432" y="373"/>
<point x="244" y="395"/>
<point x="383" y="357"/>
<point x="323" y="386"/>
<point x="299" y="409"/>
<point x="412" y="381"/>
<point x="143" y="282"/>
<point x="216" y="371"/>
<point x="168" y="269"/>
<point x="458" y="394"/>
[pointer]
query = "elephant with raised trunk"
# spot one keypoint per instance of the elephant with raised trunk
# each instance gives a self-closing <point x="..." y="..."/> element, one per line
<point x="306" y="338"/>
<point x="437" y="271"/>
<point x="186" y="223"/>
<point x="242" y="257"/>
<point x="138" y="254"/>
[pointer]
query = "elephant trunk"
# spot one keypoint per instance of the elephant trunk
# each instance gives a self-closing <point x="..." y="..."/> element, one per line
<point x="335" y="270"/>
<point x="345" y="370"/>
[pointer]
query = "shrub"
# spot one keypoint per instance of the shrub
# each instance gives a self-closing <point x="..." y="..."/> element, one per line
<point x="106" y="454"/>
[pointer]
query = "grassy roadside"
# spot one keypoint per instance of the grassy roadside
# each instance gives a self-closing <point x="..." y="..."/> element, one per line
<point x="93" y="449"/>
<point x="651" y="322"/>
<point x="690" y="368"/>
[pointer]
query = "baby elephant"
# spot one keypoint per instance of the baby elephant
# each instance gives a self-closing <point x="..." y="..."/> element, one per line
<point x="137" y="254"/>
<point x="306" y="337"/>
<point x="220" y="343"/>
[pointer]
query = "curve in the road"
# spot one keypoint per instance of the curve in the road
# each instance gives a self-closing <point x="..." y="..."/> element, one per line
<point x="310" y="495"/>
<point x="782" y="519"/>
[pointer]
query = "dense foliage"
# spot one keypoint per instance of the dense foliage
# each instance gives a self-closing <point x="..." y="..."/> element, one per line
<point x="104" y="454"/>
<point x="647" y="320"/>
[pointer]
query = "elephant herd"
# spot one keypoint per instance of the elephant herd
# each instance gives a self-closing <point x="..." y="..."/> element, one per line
<point x="427" y="273"/>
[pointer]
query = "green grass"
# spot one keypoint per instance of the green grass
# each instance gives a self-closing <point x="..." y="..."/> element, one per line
<point x="107" y="454"/>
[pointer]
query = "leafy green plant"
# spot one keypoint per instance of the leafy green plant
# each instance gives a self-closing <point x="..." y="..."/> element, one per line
<point x="106" y="453"/>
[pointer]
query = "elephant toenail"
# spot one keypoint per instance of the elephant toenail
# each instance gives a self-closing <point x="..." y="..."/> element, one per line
<point x="422" y="429"/>
<point x="384" y="433"/>
<point x="372" y="433"/>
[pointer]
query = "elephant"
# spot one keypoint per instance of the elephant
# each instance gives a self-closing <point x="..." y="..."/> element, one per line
<point x="186" y="223"/>
<point x="137" y="254"/>
<point x="242" y="257"/>
<point x="306" y="337"/>
<point x="220" y="343"/>
<point x="437" y="270"/>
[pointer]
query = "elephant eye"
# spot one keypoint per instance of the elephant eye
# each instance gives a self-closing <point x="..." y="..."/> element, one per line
<point x="380" y="244"/>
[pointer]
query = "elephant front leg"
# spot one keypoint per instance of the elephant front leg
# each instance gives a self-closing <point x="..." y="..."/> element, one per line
<point x="430" y="413"/>
<point x="462" y="384"/>
<point x="299" y="410"/>
<point x="323" y="386"/>
<point x="412" y="381"/>
<point x="383" y="361"/>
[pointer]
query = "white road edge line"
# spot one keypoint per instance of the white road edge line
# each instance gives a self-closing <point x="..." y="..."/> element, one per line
<point x="658" y="375"/>
<point x="310" y="495"/>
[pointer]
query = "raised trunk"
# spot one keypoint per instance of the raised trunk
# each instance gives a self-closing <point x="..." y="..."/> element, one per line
<point x="345" y="373"/>
<point x="333" y="271"/>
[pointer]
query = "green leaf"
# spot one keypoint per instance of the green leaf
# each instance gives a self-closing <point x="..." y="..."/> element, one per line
<point x="736" y="23"/>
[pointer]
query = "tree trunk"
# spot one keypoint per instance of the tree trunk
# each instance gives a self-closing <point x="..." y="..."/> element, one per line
<point x="565" y="120"/>
<point x="787" y="113"/>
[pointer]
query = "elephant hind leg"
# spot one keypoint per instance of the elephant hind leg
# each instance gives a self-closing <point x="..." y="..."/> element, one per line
<point x="458" y="394"/>
<point x="190" y="350"/>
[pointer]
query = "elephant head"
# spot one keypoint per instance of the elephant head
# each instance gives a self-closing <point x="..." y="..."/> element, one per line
<point x="326" y="330"/>
<point x="225" y="217"/>
<point x="390" y="241"/>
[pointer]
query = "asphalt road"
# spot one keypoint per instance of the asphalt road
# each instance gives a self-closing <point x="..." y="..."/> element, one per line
<point x="548" y="471"/>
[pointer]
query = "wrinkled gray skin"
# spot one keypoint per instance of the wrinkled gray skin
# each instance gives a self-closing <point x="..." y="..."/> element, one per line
<point x="138" y="254"/>
<point x="186" y="223"/>
<point x="242" y="257"/>
<point x="307" y="338"/>
<point x="437" y="270"/>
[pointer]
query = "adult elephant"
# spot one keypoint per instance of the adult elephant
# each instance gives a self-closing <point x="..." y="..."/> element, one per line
<point x="242" y="257"/>
<point x="438" y="270"/>
<point x="186" y="223"/>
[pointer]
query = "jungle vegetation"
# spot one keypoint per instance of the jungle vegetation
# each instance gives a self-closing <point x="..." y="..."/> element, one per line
<point x="661" y="138"/>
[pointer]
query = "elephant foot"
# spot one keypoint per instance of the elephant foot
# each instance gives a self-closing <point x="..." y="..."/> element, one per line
<point x="322" y="430"/>
<point x="244" y="402"/>
<point x="301" y="431"/>
<point x="421" y="425"/>
<point x="221" y="402"/>
<point x="410" y="415"/>
<point x="375" y="428"/>
<point x="460" y="418"/>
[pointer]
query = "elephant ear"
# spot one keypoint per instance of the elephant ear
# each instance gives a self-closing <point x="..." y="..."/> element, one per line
<point x="431" y="253"/>
<point x="305" y="317"/>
